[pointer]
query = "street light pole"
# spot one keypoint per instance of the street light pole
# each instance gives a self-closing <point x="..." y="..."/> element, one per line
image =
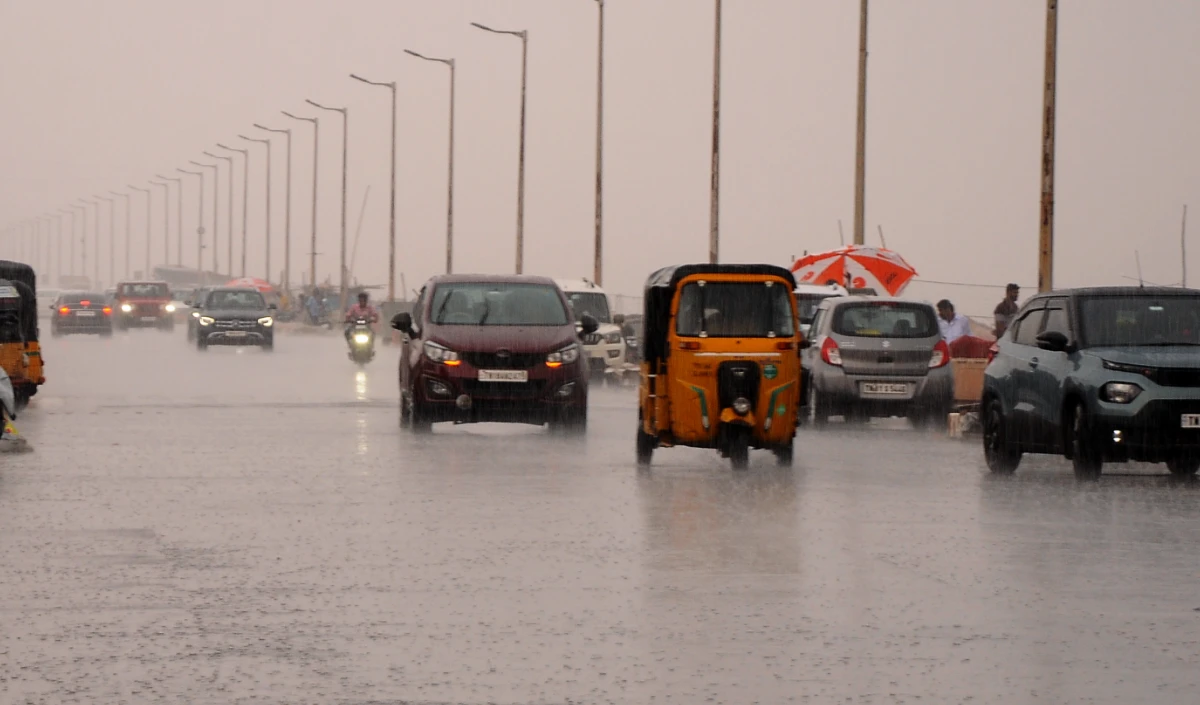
<point x="345" y="159"/>
<point x="860" y="150"/>
<point x="166" y="260"/>
<point x="228" y="212"/>
<point x="1049" y="87"/>
<point x="82" y="241"/>
<point x="128" y="222"/>
<point x="216" y="235"/>
<point x="112" y="238"/>
<point x="146" y="273"/>
<point x="95" y="203"/>
<point x="714" y="209"/>
<point x="178" y="223"/>
<point x="392" y="217"/>
<point x="199" y="218"/>
<point x="598" y="274"/>
<point x="287" y="214"/>
<point x="268" y="225"/>
<point x="524" y="37"/>
<point x="245" y="202"/>
<point x="316" y="123"/>
<point x="450" y="167"/>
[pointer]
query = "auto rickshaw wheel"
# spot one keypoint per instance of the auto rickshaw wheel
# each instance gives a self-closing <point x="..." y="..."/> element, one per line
<point x="818" y="408"/>
<point x="737" y="441"/>
<point x="783" y="455"/>
<point x="645" y="446"/>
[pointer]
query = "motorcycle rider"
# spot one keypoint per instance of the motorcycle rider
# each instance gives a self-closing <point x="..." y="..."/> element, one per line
<point x="362" y="309"/>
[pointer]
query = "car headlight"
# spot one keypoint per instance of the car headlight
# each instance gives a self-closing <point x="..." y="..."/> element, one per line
<point x="1147" y="372"/>
<point x="563" y="356"/>
<point x="126" y="307"/>
<point x="195" y="314"/>
<point x="741" y="405"/>
<point x="207" y="320"/>
<point x="440" y="353"/>
<point x="1120" y="392"/>
<point x="266" y="321"/>
<point x="613" y="338"/>
<point x="169" y="308"/>
<point x="362" y="338"/>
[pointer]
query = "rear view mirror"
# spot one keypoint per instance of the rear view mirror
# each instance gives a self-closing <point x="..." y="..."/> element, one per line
<point x="1052" y="340"/>
<point x="272" y="307"/>
<point x="403" y="322"/>
<point x="588" y="324"/>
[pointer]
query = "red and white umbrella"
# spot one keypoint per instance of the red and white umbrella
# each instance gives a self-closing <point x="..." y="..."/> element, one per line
<point x="251" y="283"/>
<point x="856" y="267"/>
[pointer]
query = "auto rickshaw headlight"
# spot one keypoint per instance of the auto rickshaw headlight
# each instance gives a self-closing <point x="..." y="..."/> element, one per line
<point x="741" y="405"/>
<point x="126" y="307"/>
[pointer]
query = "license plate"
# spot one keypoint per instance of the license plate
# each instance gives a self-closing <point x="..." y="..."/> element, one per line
<point x="884" y="388"/>
<point x="147" y="319"/>
<point x="85" y="313"/>
<point x="503" y="375"/>
<point x="1190" y="421"/>
<point x="236" y="334"/>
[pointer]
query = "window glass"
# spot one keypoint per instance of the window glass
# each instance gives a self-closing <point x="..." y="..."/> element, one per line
<point x="735" y="310"/>
<point x="1056" y="318"/>
<point x="148" y="290"/>
<point x="497" y="304"/>
<point x="248" y="300"/>
<point x="1028" y="326"/>
<point x="885" y="319"/>
<point x="590" y="303"/>
<point x="1141" y="320"/>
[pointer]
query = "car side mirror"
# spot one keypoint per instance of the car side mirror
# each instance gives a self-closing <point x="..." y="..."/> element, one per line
<point x="272" y="307"/>
<point x="1052" y="340"/>
<point x="588" y="324"/>
<point x="403" y="322"/>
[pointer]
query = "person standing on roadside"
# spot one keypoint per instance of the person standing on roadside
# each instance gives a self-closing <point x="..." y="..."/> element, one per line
<point x="953" y="325"/>
<point x="1006" y="310"/>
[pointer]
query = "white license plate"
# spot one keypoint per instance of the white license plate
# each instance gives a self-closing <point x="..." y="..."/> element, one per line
<point x="1190" y="421"/>
<point x="884" y="388"/>
<point x="85" y="313"/>
<point x="503" y="375"/>
<point x="236" y="334"/>
<point x="147" y="319"/>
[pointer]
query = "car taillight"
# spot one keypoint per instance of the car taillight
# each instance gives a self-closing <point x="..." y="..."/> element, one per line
<point x="993" y="352"/>
<point x="107" y="311"/>
<point x="64" y="310"/>
<point x="941" y="355"/>
<point x="830" y="352"/>
<point x="85" y="303"/>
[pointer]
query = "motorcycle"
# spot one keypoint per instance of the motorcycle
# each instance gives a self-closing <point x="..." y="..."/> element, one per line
<point x="362" y="341"/>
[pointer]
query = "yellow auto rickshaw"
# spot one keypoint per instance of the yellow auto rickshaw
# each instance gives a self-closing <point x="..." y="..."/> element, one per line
<point x="20" y="352"/>
<point x="720" y="361"/>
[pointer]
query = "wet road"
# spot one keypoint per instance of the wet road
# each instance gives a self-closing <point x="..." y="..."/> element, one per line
<point x="240" y="527"/>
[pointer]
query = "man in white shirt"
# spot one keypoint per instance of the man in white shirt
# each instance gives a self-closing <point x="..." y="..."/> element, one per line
<point x="953" y="325"/>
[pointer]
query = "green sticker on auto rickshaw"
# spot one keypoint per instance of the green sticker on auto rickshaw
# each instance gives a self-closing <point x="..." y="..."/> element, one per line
<point x="780" y="410"/>
<point x="770" y="371"/>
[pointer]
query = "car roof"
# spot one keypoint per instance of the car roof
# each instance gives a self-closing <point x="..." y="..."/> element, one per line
<point x="1119" y="291"/>
<point x="842" y="300"/>
<point x="579" y="286"/>
<point x="491" y="279"/>
<point x="233" y="288"/>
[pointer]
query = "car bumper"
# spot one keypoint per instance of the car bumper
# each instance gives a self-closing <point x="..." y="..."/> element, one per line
<point x="100" y="324"/>
<point x="139" y="320"/>
<point x="842" y="391"/>
<point x="1151" y="431"/>
<point x="604" y="356"/>
<point x="456" y="394"/>
<point x="248" y="337"/>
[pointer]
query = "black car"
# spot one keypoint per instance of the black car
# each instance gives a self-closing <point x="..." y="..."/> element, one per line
<point x="1098" y="375"/>
<point x="235" y="316"/>
<point x="81" y="312"/>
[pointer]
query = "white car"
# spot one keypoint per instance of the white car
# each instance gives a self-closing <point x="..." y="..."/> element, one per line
<point x="606" y="347"/>
<point x="809" y="297"/>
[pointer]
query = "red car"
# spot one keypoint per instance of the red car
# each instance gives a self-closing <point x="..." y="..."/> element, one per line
<point x="492" y="348"/>
<point x="144" y="305"/>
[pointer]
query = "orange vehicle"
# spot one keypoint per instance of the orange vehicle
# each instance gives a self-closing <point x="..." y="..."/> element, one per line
<point x="20" y="351"/>
<point x="721" y="361"/>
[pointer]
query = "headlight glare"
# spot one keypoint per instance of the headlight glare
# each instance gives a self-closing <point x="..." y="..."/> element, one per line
<point x="1120" y="392"/>
<point x="169" y="308"/>
<point x="266" y="321"/>
<point x="362" y="338"/>
<point x="741" y="405"/>
<point x="440" y="353"/>
<point x="207" y="320"/>
<point x="126" y="307"/>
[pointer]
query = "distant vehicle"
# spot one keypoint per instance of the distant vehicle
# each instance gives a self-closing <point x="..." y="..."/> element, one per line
<point x="192" y="302"/>
<point x="361" y="341"/>
<point x="874" y="357"/>
<point x="1098" y="375"/>
<point x="20" y="350"/>
<point x="144" y="304"/>
<point x="81" y="312"/>
<point x="492" y="348"/>
<point x="809" y="296"/>
<point x="235" y="316"/>
<point x="605" y="348"/>
<point x="46" y="297"/>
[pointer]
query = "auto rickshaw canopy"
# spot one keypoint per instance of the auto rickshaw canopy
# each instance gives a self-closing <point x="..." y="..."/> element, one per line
<point x="660" y="290"/>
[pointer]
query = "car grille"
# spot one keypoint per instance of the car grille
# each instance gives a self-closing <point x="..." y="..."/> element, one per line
<point x="592" y="339"/>
<point x="504" y="390"/>
<point x="1177" y="377"/>
<point x="147" y="309"/>
<point x="235" y="325"/>
<point x="493" y="361"/>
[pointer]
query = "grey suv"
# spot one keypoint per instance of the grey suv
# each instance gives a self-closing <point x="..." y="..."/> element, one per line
<point x="875" y="356"/>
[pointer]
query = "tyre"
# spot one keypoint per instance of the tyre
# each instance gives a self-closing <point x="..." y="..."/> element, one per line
<point x="998" y="449"/>
<point x="817" y="408"/>
<point x="783" y="455"/>
<point x="1184" y="465"/>
<point x="418" y="422"/>
<point x="55" y="332"/>
<point x="1086" y="458"/>
<point x="738" y="447"/>
<point x="268" y="346"/>
<point x="201" y="344"/>
<point x="646" y="444"/>
<point x="571" y="422"/>
<point x="404" y="412"/>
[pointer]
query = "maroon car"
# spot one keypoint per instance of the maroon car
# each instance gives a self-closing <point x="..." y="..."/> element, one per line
<point x="145" y="304"/>
<point x="492" y="348"/>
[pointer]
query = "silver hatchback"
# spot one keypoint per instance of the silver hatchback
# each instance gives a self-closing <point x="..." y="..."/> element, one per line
<point x="874" y="357"/>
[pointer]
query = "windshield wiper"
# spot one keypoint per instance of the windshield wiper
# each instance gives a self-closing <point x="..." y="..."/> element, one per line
<point x="441" y="310"/>
<point x="487" y="310"/>
<point x="1166" y="345"/>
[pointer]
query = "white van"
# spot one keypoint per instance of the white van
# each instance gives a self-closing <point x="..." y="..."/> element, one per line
<point x="606" y="347"/>
<point x="809" y="296"/>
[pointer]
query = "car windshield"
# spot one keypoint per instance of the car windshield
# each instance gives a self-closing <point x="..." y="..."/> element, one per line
<point x="1141" y="320"/>
<point x="735" y="310"/>
<point x="91" y="298"/>
<point x="807" y="305"/>
<point x="497" y="304"/>
<point x="591" y="303"/>
<point x="226" y="300"/>
<point x="156" y="291"/>
<point x="885" y="319"/>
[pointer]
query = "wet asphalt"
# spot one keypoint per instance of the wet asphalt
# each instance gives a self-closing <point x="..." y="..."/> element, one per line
<point x="242" y="527"/>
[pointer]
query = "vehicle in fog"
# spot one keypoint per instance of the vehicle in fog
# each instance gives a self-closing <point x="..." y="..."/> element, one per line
<point x="492" y="348"/>
<point x="193" y="301"/>
<point x="878" y="356"/>
<point x="1100" y="374"/>
<point x="809" y="296"/>
<point x="235" y="316"/>
<point x="20" y="350"/>
<point x="144" y="304"/>
<point x="81" y="312"/>
<point x="361" y="339"/>
<point x="721" y="365"/>
<point x="604" y="348"/>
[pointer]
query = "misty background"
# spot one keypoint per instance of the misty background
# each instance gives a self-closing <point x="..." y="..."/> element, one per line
<point x="100" y="95"/>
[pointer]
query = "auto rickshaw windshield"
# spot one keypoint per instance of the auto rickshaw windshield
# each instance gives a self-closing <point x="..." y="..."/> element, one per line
<point x="735" y="310"/>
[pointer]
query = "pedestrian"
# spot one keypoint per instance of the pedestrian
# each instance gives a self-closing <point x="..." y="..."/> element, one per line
<point x="953" y="325"/>
<point x="1006" y="309"/>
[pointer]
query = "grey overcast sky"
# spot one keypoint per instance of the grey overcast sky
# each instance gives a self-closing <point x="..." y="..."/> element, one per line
<point x="98" y="95"/>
